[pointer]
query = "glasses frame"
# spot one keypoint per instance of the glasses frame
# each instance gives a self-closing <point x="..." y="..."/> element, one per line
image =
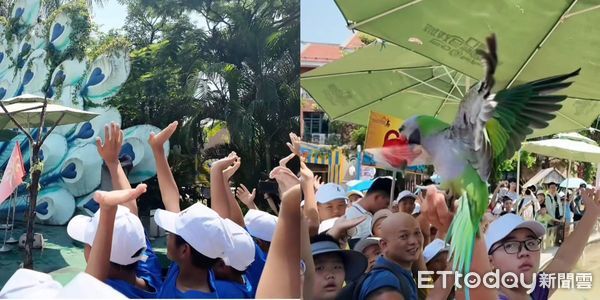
<point x="522" y="244"/>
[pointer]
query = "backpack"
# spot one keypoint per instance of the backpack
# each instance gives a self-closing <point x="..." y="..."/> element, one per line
<point x="352" y="290"/>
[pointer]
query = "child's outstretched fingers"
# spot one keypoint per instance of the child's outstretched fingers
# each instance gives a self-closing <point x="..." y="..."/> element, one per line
<point x="114" y="198"/>
<point x="158" y="140"/>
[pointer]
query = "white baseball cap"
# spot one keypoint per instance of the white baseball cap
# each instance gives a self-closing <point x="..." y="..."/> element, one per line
<point x="260" y="224"/>
<point x="199" y="226"/>
<point x="330" y="192"/>
<point x="506" y="224"/>
<point x="128" y="241"/>
<point x="434" y="248"/>
<point x="366" y="242"/>
<point x="404" y="194"/>
<point x="25" y="283"/>
<point x="241" y="255"/>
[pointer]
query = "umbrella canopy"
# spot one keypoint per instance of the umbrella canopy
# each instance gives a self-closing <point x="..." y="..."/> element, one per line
<point x="572" y="183"/>
<point x="535" y="39"/>
<point x="566" y="149"/>
<point x="389" y="79"/>
<point x="26" y="110"/>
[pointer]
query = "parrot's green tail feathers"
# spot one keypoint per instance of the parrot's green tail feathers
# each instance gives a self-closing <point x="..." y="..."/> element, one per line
<point x="462" y="238"/>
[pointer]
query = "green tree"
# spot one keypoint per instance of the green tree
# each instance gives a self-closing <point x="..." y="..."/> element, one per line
<point x="240" y="65"/>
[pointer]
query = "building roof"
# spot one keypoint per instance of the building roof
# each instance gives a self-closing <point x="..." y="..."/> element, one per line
<point x="545" y="176"/>
<point x="318" y="54"/>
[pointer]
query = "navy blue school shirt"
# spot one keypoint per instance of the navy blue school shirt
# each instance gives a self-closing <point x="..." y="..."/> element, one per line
<point x="380" y="278"/>
<point x="149" y="271"/>
<point x="169" y="288"/>
<point x="234" y="290"/>
<point x="255" y="269"/>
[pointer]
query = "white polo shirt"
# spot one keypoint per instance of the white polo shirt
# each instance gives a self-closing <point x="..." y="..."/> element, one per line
<point x="363" y="229"/>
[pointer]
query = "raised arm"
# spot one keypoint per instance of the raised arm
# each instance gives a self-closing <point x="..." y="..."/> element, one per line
<point x="281" y="275"/>
<point x="98" y="264"/>
<point x="109" y="151"/>
<point x="570" y="251"/>
<point x="168" y="187"/>
<point x="435" y="210"/>
<point x="235" y="212"/>
<point x="218" y="189"/>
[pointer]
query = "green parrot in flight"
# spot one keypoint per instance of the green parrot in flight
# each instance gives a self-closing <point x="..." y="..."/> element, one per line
<point x="488" y="129"/>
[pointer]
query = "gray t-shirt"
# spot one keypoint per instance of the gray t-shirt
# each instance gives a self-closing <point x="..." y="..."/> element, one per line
<point x="363" y="229"/>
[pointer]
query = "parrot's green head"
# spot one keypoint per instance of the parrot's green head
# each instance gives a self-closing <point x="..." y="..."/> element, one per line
<point x="419" y="127"/>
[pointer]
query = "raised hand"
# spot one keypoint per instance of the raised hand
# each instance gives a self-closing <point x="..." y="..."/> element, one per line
<point x="228" y="173"/>
<point x="306" y="175"/>
<point x="226" y="162"/>
<point x="283" y="162"/>
<point x="342" y="226"/>
<point x="318" y="182"/>
<point x="285" y="178"/>
<point x="157" y="141"/>
<point x="113" y="140"/>
<point x="245" y="196"/>
<point x="114" y="198"/>
<point x="294" y="145"/>
<point x="435" y="210"/>
<point x="590" y="198"/>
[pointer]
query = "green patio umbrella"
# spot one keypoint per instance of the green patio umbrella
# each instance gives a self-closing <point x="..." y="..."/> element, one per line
<point x="535" y="38"/>
<point x="393" y="80"/>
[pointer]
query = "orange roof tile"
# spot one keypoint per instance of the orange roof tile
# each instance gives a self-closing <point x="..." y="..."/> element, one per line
<point x="321" y="53"/>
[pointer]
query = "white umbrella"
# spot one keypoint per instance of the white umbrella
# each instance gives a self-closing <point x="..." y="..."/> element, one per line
<point x="34" y="111"/>
<point x="26" y="110"/>
<point x="572" y="183"/>
<point x="570" y="146"/>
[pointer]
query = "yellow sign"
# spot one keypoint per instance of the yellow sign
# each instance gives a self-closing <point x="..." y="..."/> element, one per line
<point x="381" y="128"/>
<point x="383" y="136"/>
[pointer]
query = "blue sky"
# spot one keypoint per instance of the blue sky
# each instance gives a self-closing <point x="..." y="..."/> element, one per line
<point x="111" y="16"/>
<point x="321" y="21"/>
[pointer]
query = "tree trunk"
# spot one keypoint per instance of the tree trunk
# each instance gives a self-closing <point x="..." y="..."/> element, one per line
<point x="33" y="192"/>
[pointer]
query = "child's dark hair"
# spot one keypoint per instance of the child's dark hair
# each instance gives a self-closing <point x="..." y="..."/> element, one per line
<point x="199" y="260"/>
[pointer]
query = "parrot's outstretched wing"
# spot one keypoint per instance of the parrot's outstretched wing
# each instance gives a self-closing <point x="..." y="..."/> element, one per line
<point x="520" y="110"/>
<point x="475" y="110"/>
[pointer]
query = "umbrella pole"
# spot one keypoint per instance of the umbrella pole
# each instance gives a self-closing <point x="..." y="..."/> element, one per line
<point x="392" y="189"/>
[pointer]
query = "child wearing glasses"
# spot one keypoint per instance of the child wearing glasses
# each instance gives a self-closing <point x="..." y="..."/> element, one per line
<point x="514" y="244"/>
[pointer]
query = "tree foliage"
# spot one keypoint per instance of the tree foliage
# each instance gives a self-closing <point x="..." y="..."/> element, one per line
<point x="234" y="61"/>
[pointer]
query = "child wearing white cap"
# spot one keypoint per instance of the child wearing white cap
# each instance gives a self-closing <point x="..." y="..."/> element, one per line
<point x="233" y="271"/>
<point x="331" y="201"/>
<point x="197" y="235"/>
<point x="32" y="284"/>
<point x="130" y="272"/>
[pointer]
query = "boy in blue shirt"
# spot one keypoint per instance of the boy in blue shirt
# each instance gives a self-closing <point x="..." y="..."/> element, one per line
<point x="197" y="236"/>
<point x="133" y="264"/>
<point x="232" y="282"/>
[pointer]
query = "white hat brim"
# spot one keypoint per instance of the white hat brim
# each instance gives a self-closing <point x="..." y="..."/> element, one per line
<point x="77" y="226"/>
<point x="166" y="220"/>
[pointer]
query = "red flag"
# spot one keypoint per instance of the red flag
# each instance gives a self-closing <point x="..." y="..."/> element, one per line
<point x="13" y="174"/>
